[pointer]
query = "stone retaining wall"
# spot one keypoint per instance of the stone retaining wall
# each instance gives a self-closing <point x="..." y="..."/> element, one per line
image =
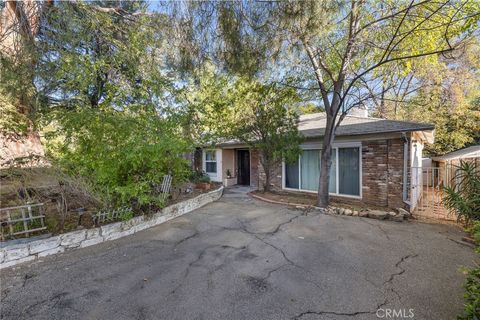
<point x="11" y="255"/>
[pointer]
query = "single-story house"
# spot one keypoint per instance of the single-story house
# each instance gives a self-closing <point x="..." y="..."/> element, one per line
<point x="372" y="161"/>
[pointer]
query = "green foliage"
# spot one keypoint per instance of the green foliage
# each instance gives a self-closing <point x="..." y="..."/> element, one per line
<point x="199" y="177"/>
<point x="263" y="116"/>
<point x="17" y="93"/>
<point x="448" y="97"/>
<point x="125" y="155"/>
<point x="309" y="108"/>
<point x="472" y="284"/>
<point x="474" y="230"/>
<point x="472" y="297"/>
<point x="267" y="121"/>
<point x="99" y="59"/>
<point x="464" y="196"/>
<point x="106" y="102"/>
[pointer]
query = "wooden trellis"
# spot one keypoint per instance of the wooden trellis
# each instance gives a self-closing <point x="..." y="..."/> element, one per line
<point x="22" y="220"/>
<point x="165" y="187"/>
<point x="108" y="216"/>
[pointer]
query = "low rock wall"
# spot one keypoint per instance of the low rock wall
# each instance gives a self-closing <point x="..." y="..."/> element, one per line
<point x="11" y="255"/>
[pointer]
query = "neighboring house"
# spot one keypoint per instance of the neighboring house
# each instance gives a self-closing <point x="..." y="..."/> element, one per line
<point x="371" y="164"/>
<point x="448" y="164"/>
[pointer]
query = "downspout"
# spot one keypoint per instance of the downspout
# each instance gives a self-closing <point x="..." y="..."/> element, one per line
<point x="405" y="168"/>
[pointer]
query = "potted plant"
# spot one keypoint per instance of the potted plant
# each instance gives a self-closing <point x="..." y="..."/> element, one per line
<point x="230" y="180"/>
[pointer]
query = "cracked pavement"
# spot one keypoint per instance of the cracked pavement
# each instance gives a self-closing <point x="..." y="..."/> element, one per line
<point x="240" y="258"/>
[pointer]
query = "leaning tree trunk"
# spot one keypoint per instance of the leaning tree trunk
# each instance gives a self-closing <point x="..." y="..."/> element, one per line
<point x="325" y="165"/>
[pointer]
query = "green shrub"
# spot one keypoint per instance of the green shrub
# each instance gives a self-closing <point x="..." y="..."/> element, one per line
<point x="124" y="154"/>
<point x="464" y="199"/>
<point x="199" y="176"/>
<point x="464" y="196"/>
<point x="472" y="284"/>
<point x="472" y="297"/>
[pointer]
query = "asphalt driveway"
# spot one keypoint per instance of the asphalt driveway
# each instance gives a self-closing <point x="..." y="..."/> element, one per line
<point x="240" y="258"/>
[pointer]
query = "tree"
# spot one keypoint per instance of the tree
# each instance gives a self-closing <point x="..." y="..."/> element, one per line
<point x="18" y="31"/>
<point x="100" y="57"/>
<point x="267" y="122"/>
<point x="447" y="94"/>
<point x="346" y="45"/>
<point x="262" y="116"/>
<point x="106" y="102"/>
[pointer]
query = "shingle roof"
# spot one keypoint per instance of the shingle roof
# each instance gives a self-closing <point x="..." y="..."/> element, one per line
<point x="470" y="152"/>
<point x="313" y="125"/>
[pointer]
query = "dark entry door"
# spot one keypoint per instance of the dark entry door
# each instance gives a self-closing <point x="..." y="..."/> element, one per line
<point x="243" y="167"/>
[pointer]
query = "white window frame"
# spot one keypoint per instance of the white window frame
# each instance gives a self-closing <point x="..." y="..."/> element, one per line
<point x="211" y="174"/>
<point x="337" y="187"/>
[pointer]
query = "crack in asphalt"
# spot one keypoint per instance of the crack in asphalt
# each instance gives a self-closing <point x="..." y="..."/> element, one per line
<point x="284" y="255"/>
<point x="195" y="234"/>
<point x="396" y="274"/>
<point x="257" y="235"/>
<point x="26" y="278"/>
<point x="336" y="313"/>
<point x="397" y="265"/>
<point x="200" y="257"/>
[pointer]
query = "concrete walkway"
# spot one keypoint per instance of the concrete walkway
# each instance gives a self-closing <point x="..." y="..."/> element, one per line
<point x="240" y="258"/>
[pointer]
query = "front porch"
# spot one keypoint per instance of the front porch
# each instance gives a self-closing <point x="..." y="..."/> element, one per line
<point x="231" y="166"/>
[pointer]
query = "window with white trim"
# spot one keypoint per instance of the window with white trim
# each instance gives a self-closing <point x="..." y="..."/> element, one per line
<point x="211" y="161"/>
<point x="345" y="171"/>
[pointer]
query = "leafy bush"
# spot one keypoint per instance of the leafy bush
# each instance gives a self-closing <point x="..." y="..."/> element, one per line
<point x="199" y="176"/>
<point x="472" y="284"/>
<point x="125" y="154"/>
<point x="464" y="196"/>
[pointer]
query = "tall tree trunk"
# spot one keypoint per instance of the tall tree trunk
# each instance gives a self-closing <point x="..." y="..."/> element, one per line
<point x="267" y="170"/>
<point x="266" y="187"/>
<point x="323" y="197"/>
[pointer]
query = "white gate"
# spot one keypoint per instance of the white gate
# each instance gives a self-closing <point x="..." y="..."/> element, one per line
<point x="426" y="192"/>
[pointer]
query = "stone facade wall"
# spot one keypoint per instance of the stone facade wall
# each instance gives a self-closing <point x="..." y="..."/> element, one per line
<point x="18" y="253"/>
<point x="382" y="175"/>
<point x="395" y="174"/>
<point x="382" y="163"/>
<point x="275" y="178"/>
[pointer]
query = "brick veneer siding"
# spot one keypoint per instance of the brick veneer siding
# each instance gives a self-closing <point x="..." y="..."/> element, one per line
<point x="382" y="175"/>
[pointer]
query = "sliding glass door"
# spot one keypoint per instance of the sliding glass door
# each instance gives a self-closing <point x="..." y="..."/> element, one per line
<point x="304" y="174"/>
<point x="310" y="169"/>
<point x="349" y="171"/>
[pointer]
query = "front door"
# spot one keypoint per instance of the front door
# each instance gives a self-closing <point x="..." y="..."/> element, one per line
<point x="243" y="167"/>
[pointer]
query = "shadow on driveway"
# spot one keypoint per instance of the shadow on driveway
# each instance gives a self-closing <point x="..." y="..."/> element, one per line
<point x="240" y="258"/>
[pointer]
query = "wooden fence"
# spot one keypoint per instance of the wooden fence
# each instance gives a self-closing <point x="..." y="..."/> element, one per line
<point x="22" y="220"/>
